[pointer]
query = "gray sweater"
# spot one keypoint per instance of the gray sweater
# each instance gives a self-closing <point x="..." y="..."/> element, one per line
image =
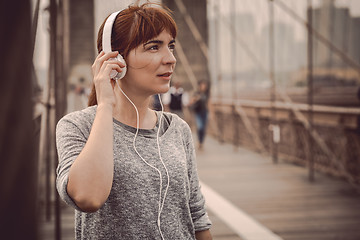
<point x="131" y="210"/>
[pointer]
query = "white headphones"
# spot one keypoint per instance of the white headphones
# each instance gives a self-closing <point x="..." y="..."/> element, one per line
<point x="106" y="43"/>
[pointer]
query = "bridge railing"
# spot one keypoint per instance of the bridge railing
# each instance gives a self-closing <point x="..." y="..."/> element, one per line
<point x="333" y="140"/>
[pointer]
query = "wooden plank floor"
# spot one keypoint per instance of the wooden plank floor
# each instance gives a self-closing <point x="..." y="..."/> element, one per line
<point x="280" y="196"/>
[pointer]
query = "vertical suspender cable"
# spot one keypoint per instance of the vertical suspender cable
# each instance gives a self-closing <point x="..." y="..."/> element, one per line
<point x="233" y="48"/>
<point x="219" y="66"/>
<point x="273" y="122"/>
<point x="54" y="78"/>
<point x="217" y="49"/>
<point x="310" y="91"/>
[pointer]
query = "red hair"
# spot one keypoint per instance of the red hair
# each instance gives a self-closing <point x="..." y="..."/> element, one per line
<point x="133" y="26"/>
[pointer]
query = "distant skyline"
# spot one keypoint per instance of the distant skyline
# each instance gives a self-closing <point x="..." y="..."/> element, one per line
<point x="259" y="9"/>
<point x="249" y="52"/>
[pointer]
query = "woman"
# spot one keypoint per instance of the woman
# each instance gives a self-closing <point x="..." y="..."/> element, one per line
<point x="130" y="171"/>
<point x="199" y="103"/>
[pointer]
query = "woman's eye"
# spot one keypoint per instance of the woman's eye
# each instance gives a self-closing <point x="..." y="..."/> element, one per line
<point x="154" y="47"/>
<point x="172" y="47"/>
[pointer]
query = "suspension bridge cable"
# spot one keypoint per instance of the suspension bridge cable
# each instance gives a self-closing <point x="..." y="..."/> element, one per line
<point x="195" y="32"/>
<point x="183" y="59"/>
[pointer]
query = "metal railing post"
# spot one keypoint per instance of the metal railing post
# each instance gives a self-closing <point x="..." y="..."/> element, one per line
<point x="310" y="92"/>
<point x="273" y="122"/>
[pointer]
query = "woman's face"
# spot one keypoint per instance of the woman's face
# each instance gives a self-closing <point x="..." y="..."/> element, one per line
<point x="151" y="65"/>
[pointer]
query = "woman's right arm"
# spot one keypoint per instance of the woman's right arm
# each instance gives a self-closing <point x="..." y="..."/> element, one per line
<point x="91" y="174"/>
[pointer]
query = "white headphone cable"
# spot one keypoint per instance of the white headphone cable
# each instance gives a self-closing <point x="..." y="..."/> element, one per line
<point x="161" y="202"/>
<point x="167" y="173"/>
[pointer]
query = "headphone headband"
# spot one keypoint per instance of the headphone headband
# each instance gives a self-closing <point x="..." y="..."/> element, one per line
<point x="106" y="44"/>
<point x="106" y="37"/>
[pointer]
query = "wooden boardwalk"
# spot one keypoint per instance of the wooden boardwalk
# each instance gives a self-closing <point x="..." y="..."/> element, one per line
<point x="279" y="196"/>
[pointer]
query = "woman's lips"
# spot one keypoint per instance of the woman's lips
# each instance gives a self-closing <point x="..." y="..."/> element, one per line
<point x="165" y="76"/>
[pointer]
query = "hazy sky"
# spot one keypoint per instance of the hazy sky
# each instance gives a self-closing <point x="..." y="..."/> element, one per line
<point x="259" y="9"/>
<point x="251" y="29"/>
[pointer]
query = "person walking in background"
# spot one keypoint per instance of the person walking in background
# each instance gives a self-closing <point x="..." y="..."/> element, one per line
<point x="176" y="99"/>
<point x="130" y="171"/>
<point x="199" y="104"/>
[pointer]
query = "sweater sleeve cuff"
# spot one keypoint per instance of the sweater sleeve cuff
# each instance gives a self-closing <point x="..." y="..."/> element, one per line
<point x="62" y="189"/>
<point x="202" y="223"/>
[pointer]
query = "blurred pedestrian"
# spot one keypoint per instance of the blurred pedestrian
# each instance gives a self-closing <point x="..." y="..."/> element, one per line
<point x="176" y="99"/>
<point x="130" y="171"/>
<point x="199" y="104"/>
<point x="78" y="95"/>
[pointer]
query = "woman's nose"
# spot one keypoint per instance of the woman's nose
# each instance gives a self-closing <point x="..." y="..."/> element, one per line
<point x="169" y="57"/>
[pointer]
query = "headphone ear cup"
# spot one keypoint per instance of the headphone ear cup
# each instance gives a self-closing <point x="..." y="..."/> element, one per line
<point x="116" y="75"/>
<point x="121" y="59"/>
